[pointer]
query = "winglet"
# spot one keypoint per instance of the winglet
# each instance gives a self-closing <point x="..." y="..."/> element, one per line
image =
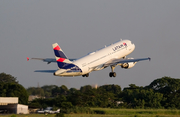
<point x="27" y="58"/>
<point x="149" y="58"/>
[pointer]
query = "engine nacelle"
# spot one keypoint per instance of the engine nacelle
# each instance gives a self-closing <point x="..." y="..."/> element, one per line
<point x="128" y="65"/>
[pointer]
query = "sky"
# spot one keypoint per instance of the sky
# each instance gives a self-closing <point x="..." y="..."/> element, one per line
<point x="28" y="28"/>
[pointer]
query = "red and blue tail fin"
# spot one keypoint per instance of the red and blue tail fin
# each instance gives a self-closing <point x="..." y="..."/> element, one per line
<point x="58" y="51"/>
<point x="62" y="60"/>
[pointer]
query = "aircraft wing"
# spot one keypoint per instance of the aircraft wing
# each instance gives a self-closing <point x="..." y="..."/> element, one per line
<point x="119" y="61"/>
<point x="48" y="60"/>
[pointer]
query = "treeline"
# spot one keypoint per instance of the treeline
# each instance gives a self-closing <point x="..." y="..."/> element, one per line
<point x="161" y="93"/>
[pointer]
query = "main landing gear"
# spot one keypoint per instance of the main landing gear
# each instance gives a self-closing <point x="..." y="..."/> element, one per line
<point x="85" y="75"/>
<point x="112" y="74"/>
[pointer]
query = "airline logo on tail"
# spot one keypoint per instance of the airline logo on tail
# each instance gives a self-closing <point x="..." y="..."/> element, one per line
<point x="58" y="51"/>
<point x="62" y="61"/>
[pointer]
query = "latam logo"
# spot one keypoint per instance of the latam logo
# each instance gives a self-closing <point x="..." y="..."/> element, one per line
<point x="124" y="44"/>
<point x="119" y="46"/>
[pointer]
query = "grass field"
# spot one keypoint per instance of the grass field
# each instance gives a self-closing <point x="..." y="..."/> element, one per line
<point x="107" y="112"/>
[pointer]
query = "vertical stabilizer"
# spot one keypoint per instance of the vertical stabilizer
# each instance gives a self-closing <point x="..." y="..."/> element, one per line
<point x="61" y="58"/>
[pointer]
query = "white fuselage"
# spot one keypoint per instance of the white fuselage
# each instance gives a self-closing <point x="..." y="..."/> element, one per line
<point x="95" y="60"/>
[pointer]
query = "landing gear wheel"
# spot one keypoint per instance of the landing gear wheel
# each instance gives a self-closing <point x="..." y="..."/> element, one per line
<point x="85" y="75"/>
<point x="112" y="74"/>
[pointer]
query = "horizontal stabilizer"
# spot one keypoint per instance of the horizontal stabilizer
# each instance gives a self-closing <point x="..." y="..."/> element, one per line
<point x="49" y="60"/>
<point x="46" y="71"/>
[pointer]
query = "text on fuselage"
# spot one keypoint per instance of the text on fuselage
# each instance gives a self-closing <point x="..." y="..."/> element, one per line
<point x="119" y="46"/>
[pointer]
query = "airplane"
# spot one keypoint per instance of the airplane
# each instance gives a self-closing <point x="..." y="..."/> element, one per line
<point x="109" y="56"/>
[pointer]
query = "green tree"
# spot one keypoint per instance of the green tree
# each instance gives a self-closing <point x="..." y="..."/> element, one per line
<point x="66" y="105"/>
<point x="40" y="103"/>
<point x="76" y="98"/>
<point x="48" y="90"/>
<point x="14" y="90"/>
<point x="56" y="91"/>
<point x="64" y="90"/>
<point x="139" y="97"/>
<point x="170" y="88"/>
<point x="104" y="98"/>
<point x="59" y="99"/>
<point x="72" y="90"/>
<point x="7" y="78"/>
<point x="85" y="88"/>
<point x="36" y="91"/>
<point x="116" y="89"/>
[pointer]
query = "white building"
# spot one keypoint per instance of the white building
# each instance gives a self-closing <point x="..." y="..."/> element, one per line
<point x="10" y="105"/>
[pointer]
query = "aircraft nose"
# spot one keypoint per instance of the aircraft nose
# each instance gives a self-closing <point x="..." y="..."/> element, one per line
<point x="133" y="47"/>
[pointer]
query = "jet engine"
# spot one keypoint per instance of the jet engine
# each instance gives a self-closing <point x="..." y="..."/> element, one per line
<point x="128" y="65"/>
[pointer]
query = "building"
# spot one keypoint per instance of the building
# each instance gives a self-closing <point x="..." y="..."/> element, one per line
<point x="95" y="86"/>
<point x="10" y="105"/>
<point x="32" y="97"/>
